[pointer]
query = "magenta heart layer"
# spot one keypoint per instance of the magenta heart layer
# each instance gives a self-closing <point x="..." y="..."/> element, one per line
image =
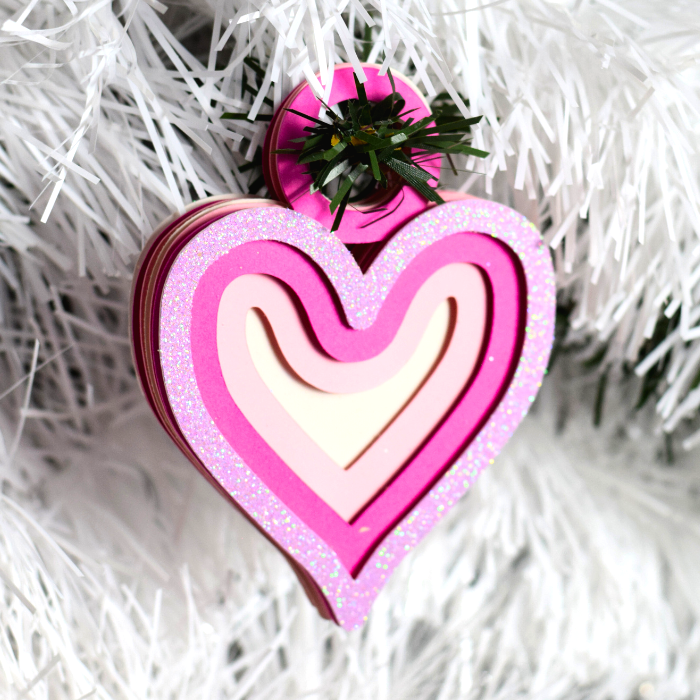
<point x="351" y="561"/>
<point x="353" y="541"/>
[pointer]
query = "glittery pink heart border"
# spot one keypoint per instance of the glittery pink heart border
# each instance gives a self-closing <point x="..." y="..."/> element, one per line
<point x="351" y="598"/>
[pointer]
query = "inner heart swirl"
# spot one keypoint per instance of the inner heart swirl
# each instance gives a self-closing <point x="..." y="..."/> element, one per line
<point x="416" y="397"/>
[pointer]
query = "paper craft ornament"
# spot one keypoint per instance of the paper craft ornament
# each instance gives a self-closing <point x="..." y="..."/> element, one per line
<point x="344" y="409"/>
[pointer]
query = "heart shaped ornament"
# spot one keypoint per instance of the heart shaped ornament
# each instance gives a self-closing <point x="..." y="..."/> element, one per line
<point x="344" y="409"/>
<point x="263" y="327"/>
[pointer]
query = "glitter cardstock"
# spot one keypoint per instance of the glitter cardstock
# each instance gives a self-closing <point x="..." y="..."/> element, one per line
<point x="344" y="534"/>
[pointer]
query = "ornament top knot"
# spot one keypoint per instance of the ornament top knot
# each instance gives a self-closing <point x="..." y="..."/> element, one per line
<point x="290" y="182"/>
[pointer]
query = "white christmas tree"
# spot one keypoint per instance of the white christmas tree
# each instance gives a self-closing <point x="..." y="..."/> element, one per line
<point x="570" y="571"/>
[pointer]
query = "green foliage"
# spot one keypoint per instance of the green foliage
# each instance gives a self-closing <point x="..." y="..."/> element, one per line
<point x="656" y="374"/>
<point x="256" y="180"/>
<point x="368" y="146"/>
<point x="588" y="357"/>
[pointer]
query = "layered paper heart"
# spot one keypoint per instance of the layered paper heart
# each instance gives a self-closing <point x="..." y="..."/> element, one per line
<point x="345" y="412"/>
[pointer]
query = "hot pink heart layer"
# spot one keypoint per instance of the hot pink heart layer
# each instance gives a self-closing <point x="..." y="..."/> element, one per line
<point x="352" y="541"/>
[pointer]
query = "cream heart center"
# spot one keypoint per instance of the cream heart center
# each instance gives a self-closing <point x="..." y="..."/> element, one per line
<point x="452" y="302"/>
<point x="343" y="425"/>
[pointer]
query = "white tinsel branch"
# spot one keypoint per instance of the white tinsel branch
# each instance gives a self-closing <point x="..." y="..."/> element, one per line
<point x="110" y="122"/>
<point x="567" y="573"/>
<point x="570" y="571"/>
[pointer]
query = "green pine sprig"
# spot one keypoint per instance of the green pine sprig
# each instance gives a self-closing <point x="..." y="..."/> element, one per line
<point x="373" y="145"/>
<point x="256" y="179"/>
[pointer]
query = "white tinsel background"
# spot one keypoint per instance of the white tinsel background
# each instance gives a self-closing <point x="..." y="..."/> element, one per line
<point x="571" y="570"/>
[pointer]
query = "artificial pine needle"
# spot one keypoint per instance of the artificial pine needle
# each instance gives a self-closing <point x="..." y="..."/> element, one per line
<point x="366" y="146"/>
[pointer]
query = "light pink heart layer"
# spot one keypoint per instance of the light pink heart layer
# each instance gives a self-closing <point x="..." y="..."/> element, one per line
<point x="425" y="397"/>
